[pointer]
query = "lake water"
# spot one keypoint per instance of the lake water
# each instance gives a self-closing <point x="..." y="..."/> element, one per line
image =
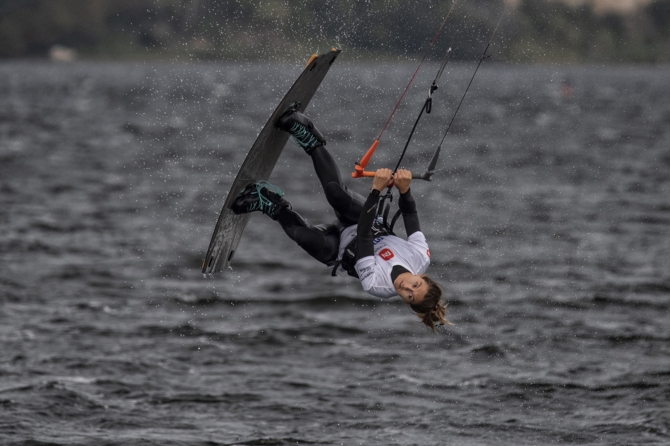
<point x="548" y="221"/>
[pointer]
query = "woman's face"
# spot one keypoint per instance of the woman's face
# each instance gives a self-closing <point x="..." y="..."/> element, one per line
<point x="411" y="288"/>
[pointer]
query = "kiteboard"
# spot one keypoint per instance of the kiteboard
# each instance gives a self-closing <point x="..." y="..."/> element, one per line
<point x="260" y="162"/>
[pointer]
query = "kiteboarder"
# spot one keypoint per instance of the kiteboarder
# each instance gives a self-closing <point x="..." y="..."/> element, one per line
<point x="359" y="242"/>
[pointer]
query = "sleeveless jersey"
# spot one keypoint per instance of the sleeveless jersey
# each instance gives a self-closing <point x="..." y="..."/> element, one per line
<point x="374" y="272"/>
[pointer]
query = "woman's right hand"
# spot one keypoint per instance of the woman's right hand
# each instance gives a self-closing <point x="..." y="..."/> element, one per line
<point x="402" y="179"/>
<point x="383" y="177"/>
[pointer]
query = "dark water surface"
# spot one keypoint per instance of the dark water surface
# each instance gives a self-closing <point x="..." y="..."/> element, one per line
<point x="548" y="222"/>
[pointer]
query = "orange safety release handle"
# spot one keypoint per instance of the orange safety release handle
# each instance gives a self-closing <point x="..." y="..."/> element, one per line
<point x="359" y="168"/>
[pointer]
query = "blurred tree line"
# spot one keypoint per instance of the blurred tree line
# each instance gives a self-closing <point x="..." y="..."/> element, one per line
<point x="531" y="31"/>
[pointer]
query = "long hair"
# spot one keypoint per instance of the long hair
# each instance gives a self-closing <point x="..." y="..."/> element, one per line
<point x="431" y="310"/>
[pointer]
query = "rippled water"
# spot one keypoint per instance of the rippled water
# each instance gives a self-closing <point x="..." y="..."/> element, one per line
<point x="547" y="219"/>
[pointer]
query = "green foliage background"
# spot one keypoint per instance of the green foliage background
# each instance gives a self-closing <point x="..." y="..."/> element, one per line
<point x="534" y="31"/>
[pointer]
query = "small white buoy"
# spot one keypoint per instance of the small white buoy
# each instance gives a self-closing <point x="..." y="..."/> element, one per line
<point x="60" y="53"/>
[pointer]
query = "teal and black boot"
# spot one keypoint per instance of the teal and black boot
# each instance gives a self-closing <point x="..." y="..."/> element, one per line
<point x="304" y="133"/>
<point x="261" y="196"/>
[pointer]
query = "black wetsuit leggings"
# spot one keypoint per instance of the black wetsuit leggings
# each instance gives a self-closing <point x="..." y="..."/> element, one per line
<point x="323" y="241"/>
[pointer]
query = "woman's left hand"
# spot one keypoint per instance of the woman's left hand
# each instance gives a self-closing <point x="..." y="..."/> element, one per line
<point x="383" y="178"/>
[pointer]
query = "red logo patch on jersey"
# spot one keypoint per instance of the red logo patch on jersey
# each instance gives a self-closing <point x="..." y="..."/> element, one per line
<point x="386" y="254"/>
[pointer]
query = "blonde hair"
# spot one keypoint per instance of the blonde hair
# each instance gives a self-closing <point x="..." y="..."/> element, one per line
<point x="431" y="310"/>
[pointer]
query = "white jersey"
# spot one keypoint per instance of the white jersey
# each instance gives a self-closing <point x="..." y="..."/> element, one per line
<point x="375" y="271"/>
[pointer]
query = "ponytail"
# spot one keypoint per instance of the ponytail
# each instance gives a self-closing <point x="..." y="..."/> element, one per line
<point x="431" y="310"/>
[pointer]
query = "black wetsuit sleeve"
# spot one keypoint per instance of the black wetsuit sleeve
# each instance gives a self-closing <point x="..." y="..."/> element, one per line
<point x="364" y="240"/>
<point x="410" y="216"/>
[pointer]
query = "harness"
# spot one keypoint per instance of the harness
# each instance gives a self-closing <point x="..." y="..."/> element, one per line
<point x="380" y="228"/>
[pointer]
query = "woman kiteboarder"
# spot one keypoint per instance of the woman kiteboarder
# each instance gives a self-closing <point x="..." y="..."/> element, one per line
<point x="358" y="242"/>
